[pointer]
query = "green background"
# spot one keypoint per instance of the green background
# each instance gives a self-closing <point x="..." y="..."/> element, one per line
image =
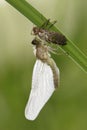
<point x="67" y="108"/>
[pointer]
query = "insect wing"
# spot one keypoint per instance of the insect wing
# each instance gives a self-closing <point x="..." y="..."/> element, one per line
<point x="41" y="91"/>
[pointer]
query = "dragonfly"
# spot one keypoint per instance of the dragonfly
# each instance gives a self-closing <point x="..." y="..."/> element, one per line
<point x="45" y="80"/>
<point x="45" y="34"/>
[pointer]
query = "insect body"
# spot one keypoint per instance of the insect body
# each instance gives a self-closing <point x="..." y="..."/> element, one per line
<point x="45" y="80"/>
<point x="49" y="36"/>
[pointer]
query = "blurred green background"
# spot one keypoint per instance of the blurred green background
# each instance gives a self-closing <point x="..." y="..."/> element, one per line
<point x="67" y="108"/>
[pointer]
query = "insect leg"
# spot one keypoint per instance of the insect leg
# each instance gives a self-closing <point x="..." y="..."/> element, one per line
<point x="53" y="50"/>
<point x="51" y="24"/>
<point x="57" y="51"/>
<point x="45" y="24"/>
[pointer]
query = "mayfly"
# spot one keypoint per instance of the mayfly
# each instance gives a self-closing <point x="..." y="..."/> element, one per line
<point x="49" y="36"/>
<point x="45" y="80"/>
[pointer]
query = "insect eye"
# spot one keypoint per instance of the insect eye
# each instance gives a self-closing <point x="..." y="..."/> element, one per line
<point x="36" y="41"/>
<point x="35" y="30"/>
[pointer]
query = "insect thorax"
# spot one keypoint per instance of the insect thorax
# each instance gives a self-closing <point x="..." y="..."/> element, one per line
<point x="42" y="52"/>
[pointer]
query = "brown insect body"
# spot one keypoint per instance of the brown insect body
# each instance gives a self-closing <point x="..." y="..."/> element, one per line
<point x="41" y="50"/>
<point x="42" y="53"/>
<point x="49" y="36"/>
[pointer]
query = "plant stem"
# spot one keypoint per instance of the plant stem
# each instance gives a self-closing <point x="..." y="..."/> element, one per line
<point x="37" y="18"/>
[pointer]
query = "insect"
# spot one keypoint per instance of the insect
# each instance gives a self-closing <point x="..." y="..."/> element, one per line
<point x="45" y="80"/>
<point x="49" y="36"/>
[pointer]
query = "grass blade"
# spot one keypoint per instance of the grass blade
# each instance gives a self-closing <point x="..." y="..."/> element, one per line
<point x="37" y="18"/>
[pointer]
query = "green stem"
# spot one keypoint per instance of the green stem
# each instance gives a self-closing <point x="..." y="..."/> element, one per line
<point x="37" y="18"/>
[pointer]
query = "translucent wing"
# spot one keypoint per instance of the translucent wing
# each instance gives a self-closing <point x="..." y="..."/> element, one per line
<point x="41" y="91"/>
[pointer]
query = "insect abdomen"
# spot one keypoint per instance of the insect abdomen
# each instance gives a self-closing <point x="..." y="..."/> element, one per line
<point x="58" y="39"/>
<point x="55" y="70"/>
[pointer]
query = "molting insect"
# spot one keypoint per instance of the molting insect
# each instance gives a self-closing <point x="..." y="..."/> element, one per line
<point x="45" y="80"/>
<point x="49" y="36"/>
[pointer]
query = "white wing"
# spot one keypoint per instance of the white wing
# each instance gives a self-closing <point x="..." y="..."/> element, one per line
<point x="42" y="89"/>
